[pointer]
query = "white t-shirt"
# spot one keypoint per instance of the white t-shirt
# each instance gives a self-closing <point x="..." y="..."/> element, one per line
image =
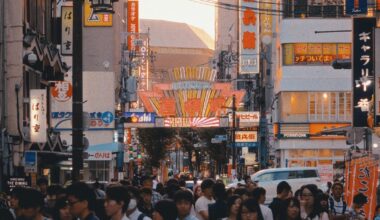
<point x="267" y="212"/>
<point x="202" y="205"/>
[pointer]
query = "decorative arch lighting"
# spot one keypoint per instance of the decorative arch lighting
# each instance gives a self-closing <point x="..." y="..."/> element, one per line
<point x="103" y="6"/>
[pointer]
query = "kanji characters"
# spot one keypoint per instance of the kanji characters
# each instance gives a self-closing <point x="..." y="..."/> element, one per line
<point x="249" y="17"/>
<point x="249" y="40"/>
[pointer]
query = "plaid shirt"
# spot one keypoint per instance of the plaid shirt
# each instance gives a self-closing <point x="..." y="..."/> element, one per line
<point x="155" y="197"/>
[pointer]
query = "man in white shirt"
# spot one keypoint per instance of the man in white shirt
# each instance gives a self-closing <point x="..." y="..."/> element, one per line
<point x="259" y="195"/>
<point x="337" y="206"/>
<point x="201" y="206"/>
<point x="133" y="212"/>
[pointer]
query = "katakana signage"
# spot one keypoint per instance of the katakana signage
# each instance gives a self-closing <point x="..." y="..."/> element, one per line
<point x="132" y="22"/>
<point x="67" y="30"/>
<point x="363" y="71"/>
<point x="38" y="110"/>
<point x="249" y="42"/>
<point x="97" y="119"/>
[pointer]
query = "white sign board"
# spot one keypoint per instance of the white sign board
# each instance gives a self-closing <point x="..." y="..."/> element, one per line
<point x="249" y="42"/>
<point x="245" y="136"/>
<point x="99" y="155"/>
<point x="326" y="172"/>
<point x="67" y="30"/>
<point x="38" y="109"/>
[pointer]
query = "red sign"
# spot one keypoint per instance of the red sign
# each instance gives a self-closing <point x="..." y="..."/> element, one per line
<point x="133" y="22"/>
<point x="62" y="91"/>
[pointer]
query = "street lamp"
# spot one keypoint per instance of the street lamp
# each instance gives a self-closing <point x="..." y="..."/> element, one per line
<point x="103" y="6"/>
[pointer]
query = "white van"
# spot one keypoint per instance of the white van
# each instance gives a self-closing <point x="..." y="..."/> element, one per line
<point x="295" y="176"/>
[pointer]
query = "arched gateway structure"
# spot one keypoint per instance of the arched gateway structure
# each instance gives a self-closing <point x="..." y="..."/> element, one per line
<point x="191" y="98"/>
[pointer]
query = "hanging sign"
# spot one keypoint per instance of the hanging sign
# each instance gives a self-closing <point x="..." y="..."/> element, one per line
<point x="38" y="109"/>
<point x="363" y="71"/>
<point x="67" y="30"/>
<point x="95" y="20"/>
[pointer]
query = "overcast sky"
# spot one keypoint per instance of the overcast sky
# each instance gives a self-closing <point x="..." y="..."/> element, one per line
<point x="186" y="11"/>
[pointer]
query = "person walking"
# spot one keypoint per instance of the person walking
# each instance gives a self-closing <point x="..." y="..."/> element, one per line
<point x="165" y="210"/>
<point x="310" y="205"/>
<point x="233" y="206"/>
<point x="81" y="199"/>
<point x="259" y="195"/>
<point x="218" y="209"/>
<point x="116" y="202"/>
<point x="184" y="201"/>
<point x="201" y="206"/>
<point x="337" y="206"/>
<point x="250" y="210"/>
<point x="31" y="203"/>
<point x="283" y="189"/>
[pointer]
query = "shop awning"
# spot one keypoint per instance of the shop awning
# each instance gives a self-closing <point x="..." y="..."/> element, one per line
<point x="112" y="147"/>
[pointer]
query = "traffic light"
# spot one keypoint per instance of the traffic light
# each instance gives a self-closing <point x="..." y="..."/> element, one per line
<point x="342" y="64"/>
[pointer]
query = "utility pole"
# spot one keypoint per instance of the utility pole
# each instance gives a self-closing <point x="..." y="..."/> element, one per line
<point x="77" y="120"/>
<point x="233" y="133"/>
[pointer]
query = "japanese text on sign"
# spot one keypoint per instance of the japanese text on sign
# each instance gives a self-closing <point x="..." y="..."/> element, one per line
<point x="38" y="124"/>
<point x="133" y="22"/>
<point x="67" y="30"/>
<point x="246" y="136"/>
<point x="249" y="38"/>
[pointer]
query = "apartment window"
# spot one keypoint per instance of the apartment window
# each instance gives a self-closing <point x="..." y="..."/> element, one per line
<point x="315" y="53"/>
<point x="99" y="170"/>
<point x="329" y="106"/>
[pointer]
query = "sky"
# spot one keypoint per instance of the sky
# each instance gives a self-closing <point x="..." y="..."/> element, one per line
<point x="186" y="11"/>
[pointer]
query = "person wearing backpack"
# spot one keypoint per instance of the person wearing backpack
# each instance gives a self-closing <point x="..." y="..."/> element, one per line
<point x="337" y="205"/>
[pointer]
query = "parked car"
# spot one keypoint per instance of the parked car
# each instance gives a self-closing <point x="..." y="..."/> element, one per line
<point x="295" y="176"/>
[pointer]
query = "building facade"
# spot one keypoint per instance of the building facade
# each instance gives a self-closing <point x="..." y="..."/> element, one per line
<point x="311" y="96"/>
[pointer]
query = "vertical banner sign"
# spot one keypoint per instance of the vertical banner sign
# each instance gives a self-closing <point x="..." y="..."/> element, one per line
<point x="133" y="22"/>
<point x="95" y="20"/>
<point x="38" y="124"/>
<point x="354" y="7"/>
<point x="144" y="67"/>
<point x="363" y="70"/>
<point x="266" y="22"/>
<point x="67" y="30"/>
<point x="377" y="76"/>
<point x="249" y="46"/>
<point x="362" y="176"/>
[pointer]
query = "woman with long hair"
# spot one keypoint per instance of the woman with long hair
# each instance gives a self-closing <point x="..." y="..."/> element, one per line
<point x="250" y="210"/>
<point x="233" y="206"/>
<point x="310" y="204"/>
<point x="291" y="209"/>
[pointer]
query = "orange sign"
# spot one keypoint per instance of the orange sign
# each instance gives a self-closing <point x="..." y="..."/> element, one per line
<point x="245" y="136"/>
<point x="362" y="175"/>
<point x="249" y="40"/>
<point x="62" y="91"/>
<point x="133" y="22"/>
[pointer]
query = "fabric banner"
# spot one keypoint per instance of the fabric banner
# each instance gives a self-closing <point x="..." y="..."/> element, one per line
<point x="362" y="175"/>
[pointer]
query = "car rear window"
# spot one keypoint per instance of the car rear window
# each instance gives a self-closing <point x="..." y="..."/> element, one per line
<point x="310" y="174"/>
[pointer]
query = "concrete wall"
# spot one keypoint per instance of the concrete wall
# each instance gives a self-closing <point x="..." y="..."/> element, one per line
<point x="14" y="69"/>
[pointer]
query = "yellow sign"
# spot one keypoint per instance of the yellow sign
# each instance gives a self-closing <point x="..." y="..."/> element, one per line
<point x="95" y="20"/>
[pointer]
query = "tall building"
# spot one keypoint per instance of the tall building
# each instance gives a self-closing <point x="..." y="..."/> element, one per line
<point x="311" y="96"/>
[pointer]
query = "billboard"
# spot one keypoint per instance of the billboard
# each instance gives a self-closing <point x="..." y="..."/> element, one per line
<point x="192" y="122"/>
<point x="140" y="117"/>
<point x="38" y="111"/>
<point x="249" y="42"/>
<point x="95" y="20"/>
<point x="363" y="71"/>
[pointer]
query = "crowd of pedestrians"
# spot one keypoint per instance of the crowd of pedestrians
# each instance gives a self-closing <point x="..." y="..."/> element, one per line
<point x="172" y="201"/>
